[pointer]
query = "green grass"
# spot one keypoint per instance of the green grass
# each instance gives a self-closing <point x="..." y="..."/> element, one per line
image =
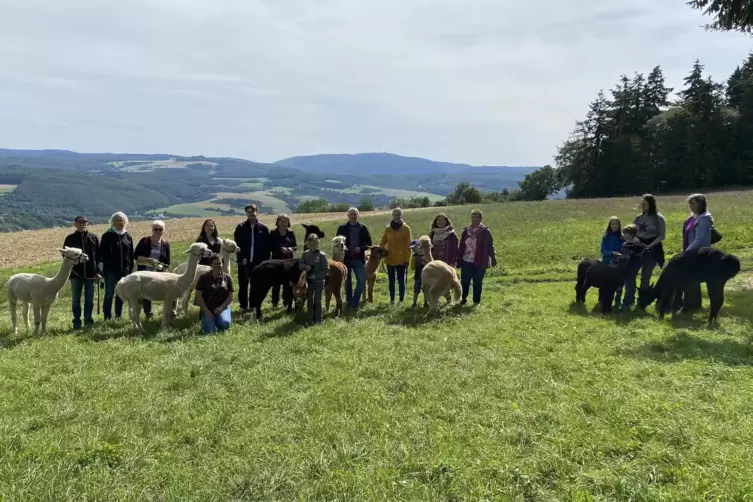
<point x="525" y="397"/>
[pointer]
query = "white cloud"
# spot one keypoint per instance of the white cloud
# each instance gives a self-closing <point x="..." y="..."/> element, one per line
<point x="480" y="81"/>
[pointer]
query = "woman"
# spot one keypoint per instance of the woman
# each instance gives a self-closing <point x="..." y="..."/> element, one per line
<point x="283" y="244"/>
<point x="153" y="253"/>
<point x="651" y="232"/>
<point x="214" y="294"/>
<point x="209" y="237"/>
<point x="696" y="233"/>
<point x="116" y="253"/>
<point x="444" y="240"/>
<point x="475" y="255"/>
<point x="396" y="239"/>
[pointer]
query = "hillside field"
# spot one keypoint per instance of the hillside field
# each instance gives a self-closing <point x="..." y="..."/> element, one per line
<point x="523" y="398"/>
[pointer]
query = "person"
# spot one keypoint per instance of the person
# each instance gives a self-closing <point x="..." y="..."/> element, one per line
<point x="116" y="252"/>
<point x="396" y="239"/>
<point x="153" y="253"/>
<point x="282" y="245"/>
<point x="314" y="263"/>
<point x="696" y="234"/>
<point x="357" y="239"/>
<point x="252" y="238"/>
<point x="475" y="255"/>
<point x="214" y="294"/>
<point x="84" y="275"/>
<point x="211" y="238"/>
<point x="611" y="244"/>
<point x="444" y="240"/>
<point x="651" y="232"/>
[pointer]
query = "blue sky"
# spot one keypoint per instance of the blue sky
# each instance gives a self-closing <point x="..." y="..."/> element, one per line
<point x="477" y="81"/>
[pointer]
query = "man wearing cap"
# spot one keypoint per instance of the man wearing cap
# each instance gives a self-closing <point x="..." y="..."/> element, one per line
<point x="84" y="275"/>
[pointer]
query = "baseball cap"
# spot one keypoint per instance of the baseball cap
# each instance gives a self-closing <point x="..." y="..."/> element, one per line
<point x="81" y="219"/>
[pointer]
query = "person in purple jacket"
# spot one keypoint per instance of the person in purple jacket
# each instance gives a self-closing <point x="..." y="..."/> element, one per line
<point x="475" y="255"/>
<point x="444" y="240"/>
<point x="696" y="234"/>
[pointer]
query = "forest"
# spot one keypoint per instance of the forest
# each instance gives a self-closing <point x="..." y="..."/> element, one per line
<point x="647" y="137"/>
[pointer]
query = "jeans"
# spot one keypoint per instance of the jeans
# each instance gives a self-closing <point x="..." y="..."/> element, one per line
<point x="398" y="270"/>
<point x="618" y="296"/>
<point x="689" y="299"/>
<point x="357" y="267"/>
<point x="87" y="287"/>
<point x="470" y="272"/>
<point x="111" y="280"/>
<point x="647" y="270"/>
<point x="314" y="301"/>
<point x="219" y="322"/>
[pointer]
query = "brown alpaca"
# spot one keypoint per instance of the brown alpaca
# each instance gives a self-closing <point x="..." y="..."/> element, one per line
<point x="438" y="279"/>
<point x="374" y="257"/>
<point x="337" y="275"/>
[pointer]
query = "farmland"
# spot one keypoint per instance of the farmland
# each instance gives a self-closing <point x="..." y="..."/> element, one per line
<point x="5" y="189"/>
<point x="525" y="397"/>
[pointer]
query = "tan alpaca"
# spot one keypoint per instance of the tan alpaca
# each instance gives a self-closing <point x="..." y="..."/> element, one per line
<point x="373" y="259"/>
<point x="336" y="279"/>
<point x="438" y="279"/>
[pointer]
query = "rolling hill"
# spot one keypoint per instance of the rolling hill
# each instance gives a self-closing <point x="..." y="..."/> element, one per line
<point x="43" y="188"/>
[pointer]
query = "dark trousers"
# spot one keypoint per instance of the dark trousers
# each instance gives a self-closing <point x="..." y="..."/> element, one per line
<point x="85" y="286"/>
<point x="244" y="285"/>
<point x="470" y="272"/>
<point x="399" y="271"/>
<point x="111" y="280"/>
<point x="689" y="299"/>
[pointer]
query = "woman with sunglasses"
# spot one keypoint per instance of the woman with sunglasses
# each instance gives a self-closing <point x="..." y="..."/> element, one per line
<point x="153" y="253"/>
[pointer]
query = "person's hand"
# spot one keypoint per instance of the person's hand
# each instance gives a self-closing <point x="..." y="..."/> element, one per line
<point x="244" y="262"/>
<point x="356" y="251"/>
<point x="308" y="268"/>
<point x="616" y="253"/>
<point x="494" y="262"/>
<point x="97" y="277"/>
<point x="218" y="310"/>
<point x="209" y="313"/>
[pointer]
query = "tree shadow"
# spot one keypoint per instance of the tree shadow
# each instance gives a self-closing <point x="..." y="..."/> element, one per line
<point x="420" y="315"/>
<point x="617" y="316"/>
<point x="8" y="341"/>
<point x="683" y="346"/>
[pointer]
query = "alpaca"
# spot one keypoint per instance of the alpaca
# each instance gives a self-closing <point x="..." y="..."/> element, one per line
<point x="163" y="287"/>
<point x="337" y="274"/>
<point x="374" y="257"/>
<point x="40" y="291"/>
<point x="339" y="249"/>
<point x="437" y="278"/>
<point x="228" y="249"/>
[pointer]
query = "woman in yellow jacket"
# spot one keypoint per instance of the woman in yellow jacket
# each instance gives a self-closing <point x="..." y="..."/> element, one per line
<point x="396" y="239"/>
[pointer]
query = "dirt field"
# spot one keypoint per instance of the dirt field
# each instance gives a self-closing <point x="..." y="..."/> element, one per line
<point x="21" y="249"/>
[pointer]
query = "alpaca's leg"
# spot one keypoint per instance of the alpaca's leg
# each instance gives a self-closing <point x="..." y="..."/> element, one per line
<point x="37" y="317"/>
<point x="134" y="308"/>
<point x="25" y="312"/>
<point x="328" y="297"/>
<point x="12" y="307"/>
<point x="45" y="313"/>
<point x="186" y="303"/>
<point x="167" y="310"/>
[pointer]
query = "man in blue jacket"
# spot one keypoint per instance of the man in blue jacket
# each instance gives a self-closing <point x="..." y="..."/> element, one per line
<point x="252" y="238"/>
<point x="357" y="239"/>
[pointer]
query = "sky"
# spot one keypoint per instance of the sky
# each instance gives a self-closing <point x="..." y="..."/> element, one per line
<point x="488" y="82"/>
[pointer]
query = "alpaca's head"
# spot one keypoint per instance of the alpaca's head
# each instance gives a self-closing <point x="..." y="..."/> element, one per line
<point x="74" y="254"/>
<point x="376" y="253"/>
<point x="300" y="290"/>
<point x="229" y="246"/>
<point x="199" y="249"/>
<point x="338" y="247"/>
<point x="425" y="243"/>
<point x="313" y="229"/>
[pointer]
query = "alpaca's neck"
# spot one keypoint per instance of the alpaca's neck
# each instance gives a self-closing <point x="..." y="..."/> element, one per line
<point x="187" y="277"/>
<point x="59" y="280"/>
<point x="338" y="254"/>
<point x="427" y="254"/>
<point x="225" y="261"/>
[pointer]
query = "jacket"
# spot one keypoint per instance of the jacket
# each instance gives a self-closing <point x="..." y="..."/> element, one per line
<point x="610" y="242"/>
<point x="364" y="237"/>
<point x="696" y="232"/>
<point x="397" y="243"/>
<point x="448" y="252"/>
<point x="116" y="253"/>
<point x="215" y="247"/>
<point x="277" y="242"/>
<point x="316" y="264"/>
<point x="89" y="244"/>
<point x="485" y="256"/>
<point x="261" y="241"/>
<point x="144" y="248"/>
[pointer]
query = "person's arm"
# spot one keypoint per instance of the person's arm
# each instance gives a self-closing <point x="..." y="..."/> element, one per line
<point x="268" y="249"/>
<point x="367" y="238"/>
<point x="229" y="299"/>
<point x="661" y="226"/>
<point x="461" y="249"/>
<point x="200" y="300"/>
<point x="384" y="239"/>
<point x="293" y="241"/>
<point x="492" y="251"/>
<point x="407" y="244"/>
<point x="167" y="255"/>
<point x="605" y="252"/>
<point x="130" y="255"/>
<point x="702" y="230"/>
<point x="273" y="243"/>
<point x="142" y="254"/>
<point x="324" y="265"/>
<point x="97" y="258"/>
<point x="303" y="262"/>
<point x="103" y="245"/>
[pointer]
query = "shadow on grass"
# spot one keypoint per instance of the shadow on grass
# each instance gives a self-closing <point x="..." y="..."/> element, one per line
<point x="684" y="346"/>
<point x="420" y="315"/>
<point x="618" y="317"/>
<point x="8" y="341"/>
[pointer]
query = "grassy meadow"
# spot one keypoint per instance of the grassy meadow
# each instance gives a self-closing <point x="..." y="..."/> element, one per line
<point x="523" y="398"/>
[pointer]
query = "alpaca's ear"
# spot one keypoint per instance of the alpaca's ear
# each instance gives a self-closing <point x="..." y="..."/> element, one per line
<point x="186" y="251"/>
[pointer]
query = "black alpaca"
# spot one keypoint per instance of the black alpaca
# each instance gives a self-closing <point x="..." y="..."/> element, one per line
<point x="607" y="278"/>
<point x="709" y="265"/>
<point x="272" y="273"/>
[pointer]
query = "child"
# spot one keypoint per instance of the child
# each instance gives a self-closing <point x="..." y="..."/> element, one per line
<point x="417" y="261"/>
<point x="631" y="245"/>
<point x="314" y="263"/>
<point x="611" y="241"/>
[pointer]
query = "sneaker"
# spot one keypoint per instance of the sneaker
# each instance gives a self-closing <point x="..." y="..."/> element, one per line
<point x="463" y="301"/>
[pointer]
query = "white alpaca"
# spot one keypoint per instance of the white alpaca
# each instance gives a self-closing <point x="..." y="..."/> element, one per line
<point x="438" y="279"/>
<point x="40" y="291"/>
<point x="163" y="287"/>
<point x="229" y="248"/>
<point x="339" y="249"/>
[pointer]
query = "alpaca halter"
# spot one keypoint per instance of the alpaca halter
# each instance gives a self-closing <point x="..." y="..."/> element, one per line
<point x="77" y="260"/>
<point x="230" y="253"/>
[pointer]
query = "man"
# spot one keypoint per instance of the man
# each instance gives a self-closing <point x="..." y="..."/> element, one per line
<point x="252" y="238"/>
<point x="357" y="239"/>
<point x="84" y="275"/>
